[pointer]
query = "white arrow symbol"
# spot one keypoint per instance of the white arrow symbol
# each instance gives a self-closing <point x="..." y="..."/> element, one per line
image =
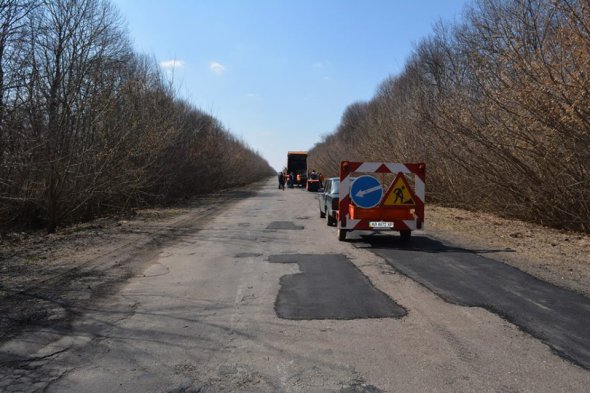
<point x="362" y="193"/>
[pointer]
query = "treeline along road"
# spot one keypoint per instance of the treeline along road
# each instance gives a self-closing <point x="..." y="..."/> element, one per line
<point x="88" y="126"/>
<point x="498" y="106"/>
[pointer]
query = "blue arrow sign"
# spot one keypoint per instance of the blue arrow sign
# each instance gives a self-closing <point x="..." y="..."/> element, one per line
<point x="366" y="191"/>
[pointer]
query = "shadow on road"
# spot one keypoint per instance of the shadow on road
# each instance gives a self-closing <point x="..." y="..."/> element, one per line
<point x="418" y="243"/>
<point x="187" y="325"/>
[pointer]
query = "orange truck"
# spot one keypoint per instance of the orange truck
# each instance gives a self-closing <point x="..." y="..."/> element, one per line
<point x="297" y="165"/>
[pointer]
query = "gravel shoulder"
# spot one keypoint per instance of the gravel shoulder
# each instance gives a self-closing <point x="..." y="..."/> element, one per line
<point x="49" y="279"/>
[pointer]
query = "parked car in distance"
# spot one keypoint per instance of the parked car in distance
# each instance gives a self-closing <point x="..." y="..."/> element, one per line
<point x="328" y="197"/>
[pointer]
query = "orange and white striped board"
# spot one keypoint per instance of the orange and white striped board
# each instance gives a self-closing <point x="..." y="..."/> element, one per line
<point x="400" y="205"/>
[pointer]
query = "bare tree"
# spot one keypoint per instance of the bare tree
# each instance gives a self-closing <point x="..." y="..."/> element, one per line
<point x="93" y="127"/>
<point x="498" y="107"/>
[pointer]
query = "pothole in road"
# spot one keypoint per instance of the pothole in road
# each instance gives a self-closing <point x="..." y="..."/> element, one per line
<point x="330" y="287"/>
<point x="156" y="269"/>
<point x="248" y="255"/>
<point x="289" y="225"/>
<point x="360" y="388"/>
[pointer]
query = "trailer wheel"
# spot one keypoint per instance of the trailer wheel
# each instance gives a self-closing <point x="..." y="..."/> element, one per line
<point x="342" y="234"/>
<point x="405" y="235"/>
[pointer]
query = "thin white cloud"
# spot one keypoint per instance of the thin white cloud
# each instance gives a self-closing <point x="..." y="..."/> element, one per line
<point x="171" y="64"/>
<point x="217" y="68"/>
<point x="251" y="95"/>
<point x="322" y="64"/>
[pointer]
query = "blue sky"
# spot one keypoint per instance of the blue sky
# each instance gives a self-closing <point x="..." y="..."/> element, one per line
<point x="279" y="74"/>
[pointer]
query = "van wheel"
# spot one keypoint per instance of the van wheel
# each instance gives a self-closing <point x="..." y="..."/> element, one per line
<point x="342" y="234"/>
<point x="329" y="220"/>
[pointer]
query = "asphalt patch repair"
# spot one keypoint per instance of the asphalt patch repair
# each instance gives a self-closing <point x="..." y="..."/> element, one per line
<point x="284" y="225"/>
<point x="557" y="316"/>
<point x="330" y="287"/>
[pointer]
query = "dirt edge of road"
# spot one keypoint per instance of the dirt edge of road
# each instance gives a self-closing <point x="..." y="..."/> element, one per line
<point x="46" y="280"/>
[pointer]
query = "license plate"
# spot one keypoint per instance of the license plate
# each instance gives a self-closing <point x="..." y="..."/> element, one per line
<point x="380" y="224"/>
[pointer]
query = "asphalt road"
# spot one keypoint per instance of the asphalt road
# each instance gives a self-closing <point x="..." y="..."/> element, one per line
<point x="264" y="298"/>
<point x="557" y="316"/>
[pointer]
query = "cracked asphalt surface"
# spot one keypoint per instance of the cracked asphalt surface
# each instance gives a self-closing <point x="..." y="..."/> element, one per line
<point x="199" y="316"/>
<point x="557" y="316"/>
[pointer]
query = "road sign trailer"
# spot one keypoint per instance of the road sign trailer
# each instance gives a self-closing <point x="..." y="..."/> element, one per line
<point x="365" y="206"/>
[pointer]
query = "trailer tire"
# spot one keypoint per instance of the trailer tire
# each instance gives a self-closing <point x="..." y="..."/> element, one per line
<point x="405" y="235"/>
<point x="342" y="234"/>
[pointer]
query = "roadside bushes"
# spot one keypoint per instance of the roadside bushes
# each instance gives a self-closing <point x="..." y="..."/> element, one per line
<point x="87" y="126"/>
<point x="499" y="108"/>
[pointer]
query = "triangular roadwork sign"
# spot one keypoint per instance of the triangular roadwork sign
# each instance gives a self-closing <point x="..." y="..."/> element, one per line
<point x="399" y="193"/>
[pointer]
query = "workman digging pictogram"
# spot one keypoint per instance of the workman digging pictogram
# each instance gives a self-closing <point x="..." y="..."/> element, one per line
<point x="399" y="194"/>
